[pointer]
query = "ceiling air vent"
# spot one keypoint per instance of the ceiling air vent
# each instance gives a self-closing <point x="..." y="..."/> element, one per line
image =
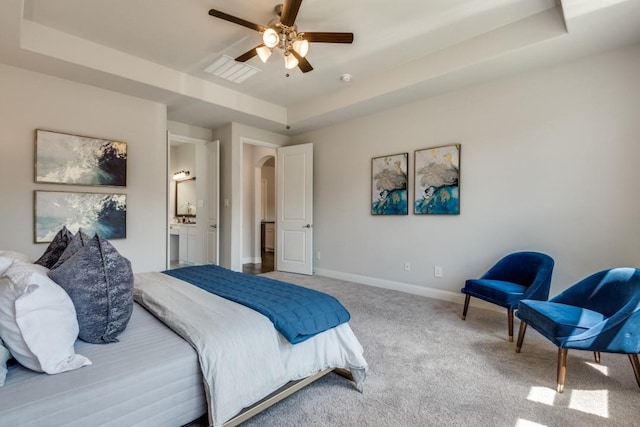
<point x="229" y="69"/>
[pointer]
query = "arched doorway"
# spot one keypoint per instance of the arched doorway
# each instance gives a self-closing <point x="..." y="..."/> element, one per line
<point x="263" y="215"/>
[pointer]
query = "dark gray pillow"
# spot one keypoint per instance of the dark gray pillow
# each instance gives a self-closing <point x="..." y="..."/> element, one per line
<point x="78" y="241"/>
<point x="55" y="248"/>
<point x="100" y="283"/>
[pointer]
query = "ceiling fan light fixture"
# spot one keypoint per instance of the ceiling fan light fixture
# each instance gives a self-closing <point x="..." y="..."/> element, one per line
<point x="270" y="38"/>
<point x="290" y="61"/>
<point x="282" y="33"/>
<point x="264" y="53"/>
<point x="301" y="46"/>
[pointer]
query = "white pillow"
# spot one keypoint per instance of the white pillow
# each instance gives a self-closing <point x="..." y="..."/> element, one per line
<point x="8" y="257"/>
<point x="38" y="320"/>
<point x="4" y="356"/>
<point x="15" y="256"/>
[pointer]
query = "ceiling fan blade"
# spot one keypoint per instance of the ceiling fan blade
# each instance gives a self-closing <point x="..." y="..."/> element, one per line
<point x="290" y="10"/>
<point x="249" y="54"/>
<point x="320" y="37"/>
<point x="236" y="20"/>
<point x="303" y="64"/>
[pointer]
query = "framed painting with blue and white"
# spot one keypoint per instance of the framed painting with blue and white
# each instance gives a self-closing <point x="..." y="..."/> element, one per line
<point x="389" y="184"/>
<point x="437" y="180"/>
<point x="79" y="160"/>
<point x="102" y="213"/>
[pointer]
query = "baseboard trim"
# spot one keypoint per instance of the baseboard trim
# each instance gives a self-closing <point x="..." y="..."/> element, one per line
<point x="423" y="291"/>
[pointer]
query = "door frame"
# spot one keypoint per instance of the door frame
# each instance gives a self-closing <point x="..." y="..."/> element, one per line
<point x="260" y="192"/>
<point x="259" y="143"/>
<point x="169" y="181"/>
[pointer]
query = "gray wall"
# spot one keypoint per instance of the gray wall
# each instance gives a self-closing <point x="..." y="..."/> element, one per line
<point x="30" y="101"/>
<point x="232" y="139"/>
<point x="548" y="163"/>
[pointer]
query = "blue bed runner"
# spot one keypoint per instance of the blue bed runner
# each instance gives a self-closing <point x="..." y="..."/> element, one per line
<point x="297" y="313"/>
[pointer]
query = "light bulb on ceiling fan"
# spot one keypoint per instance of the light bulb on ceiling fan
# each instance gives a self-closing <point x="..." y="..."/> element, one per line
<point x="270" y="38"/>
<point x="264" y="53"/>
<point x="290" y="61"/>
<point x="301" y="47"/>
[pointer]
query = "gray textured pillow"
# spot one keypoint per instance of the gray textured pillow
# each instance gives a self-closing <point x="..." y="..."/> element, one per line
<point x="4" y="357"/>
<point x="78" y="241"/>
<point x="55" y="248"/>
<point x="100" y="283"/>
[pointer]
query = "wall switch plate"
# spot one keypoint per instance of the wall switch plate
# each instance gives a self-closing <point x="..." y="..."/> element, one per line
<point x="226" y="203"/>
<point x="407" y="266"/>
<point x="437" y="271"/>
<point x="318" y="255"/>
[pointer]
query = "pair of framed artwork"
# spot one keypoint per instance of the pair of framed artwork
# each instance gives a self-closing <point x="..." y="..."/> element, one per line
<point x="62" y="158"/>
<point x="436" y="177"/>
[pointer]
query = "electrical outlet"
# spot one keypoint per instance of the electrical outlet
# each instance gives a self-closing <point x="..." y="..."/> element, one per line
<point x="407" y="266"/>
<point x="437" y="271"/>
<point x="226" y="203"/>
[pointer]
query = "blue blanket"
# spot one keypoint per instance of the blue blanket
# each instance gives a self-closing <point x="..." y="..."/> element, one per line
<point x="297" y="313"/>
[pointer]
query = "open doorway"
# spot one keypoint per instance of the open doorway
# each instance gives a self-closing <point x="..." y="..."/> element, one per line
<point x="259" y="209"/>
<point x="193" y="201"/>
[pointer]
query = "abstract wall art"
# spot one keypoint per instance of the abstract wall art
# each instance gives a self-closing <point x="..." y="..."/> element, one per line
<point x="389" y="184"/>
<point x="105" y="214"/>
<point x="72" y="159"/>
<point x="437" y="180"/>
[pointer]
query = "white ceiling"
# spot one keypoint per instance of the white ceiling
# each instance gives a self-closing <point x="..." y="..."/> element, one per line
<point x="403" y="50"/>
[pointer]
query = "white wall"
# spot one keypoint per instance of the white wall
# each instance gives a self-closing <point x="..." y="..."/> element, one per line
<point x="269" y="175"/>
<point x="248" y="205"/>
<point x="29" y="101"/>
<point x="224" y="135"/>
<point x="548" y="163"/>
<point x="232" y="138"/>
<point x="181" y="129"/>
<point x="253" y="157"/>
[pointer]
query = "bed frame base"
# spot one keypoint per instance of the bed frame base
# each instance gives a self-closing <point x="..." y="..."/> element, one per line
<point x="282" y="393"/>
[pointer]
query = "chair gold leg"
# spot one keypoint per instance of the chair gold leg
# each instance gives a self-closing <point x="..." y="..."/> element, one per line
<point x="633" y="358"/>
<point x="466" y="306"/>
<point x="510" y="316"/>
<point x="596" y="356"/>
<point x="562" y="368"/>
<point x="523" y="329"/>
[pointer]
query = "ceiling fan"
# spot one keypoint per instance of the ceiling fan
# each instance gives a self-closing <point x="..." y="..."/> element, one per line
<point x="282" y="33"/>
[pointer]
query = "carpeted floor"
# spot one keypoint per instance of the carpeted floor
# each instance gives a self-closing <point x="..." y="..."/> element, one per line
<point x="428" y="367"/>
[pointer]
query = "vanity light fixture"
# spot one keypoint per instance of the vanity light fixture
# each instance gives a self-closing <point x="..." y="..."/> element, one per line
<point x="183" y="174"/>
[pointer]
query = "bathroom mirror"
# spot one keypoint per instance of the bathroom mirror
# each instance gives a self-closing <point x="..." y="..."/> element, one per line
<point x="186" y="197"/>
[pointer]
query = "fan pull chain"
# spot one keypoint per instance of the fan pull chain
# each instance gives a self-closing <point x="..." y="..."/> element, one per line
<point x="287" y="98"/>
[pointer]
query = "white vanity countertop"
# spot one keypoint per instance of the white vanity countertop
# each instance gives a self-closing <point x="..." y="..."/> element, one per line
<point x="181" y="224"/>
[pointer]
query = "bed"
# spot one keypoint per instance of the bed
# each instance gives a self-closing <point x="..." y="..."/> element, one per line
<point x="185" y="354"/>
<point x="150" y="377"/>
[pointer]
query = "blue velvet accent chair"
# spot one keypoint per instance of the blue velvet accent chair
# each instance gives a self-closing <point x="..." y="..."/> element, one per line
<point x="520" y="275"/>
<point x="600" y="313"/>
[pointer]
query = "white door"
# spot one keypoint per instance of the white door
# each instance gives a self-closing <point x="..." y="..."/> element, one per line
<point x="213" y="197"/>
<point x="294" y="224"/>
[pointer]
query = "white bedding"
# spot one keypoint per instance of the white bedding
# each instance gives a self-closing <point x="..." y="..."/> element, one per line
<point x="242" y="357"/>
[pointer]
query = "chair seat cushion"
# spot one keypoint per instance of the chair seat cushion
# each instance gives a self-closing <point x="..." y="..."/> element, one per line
<point x="506" y="294"/>
<point x="556" y="320"/>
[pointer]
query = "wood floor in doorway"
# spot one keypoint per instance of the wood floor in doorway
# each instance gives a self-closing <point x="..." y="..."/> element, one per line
<point x="264" y="267"/>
